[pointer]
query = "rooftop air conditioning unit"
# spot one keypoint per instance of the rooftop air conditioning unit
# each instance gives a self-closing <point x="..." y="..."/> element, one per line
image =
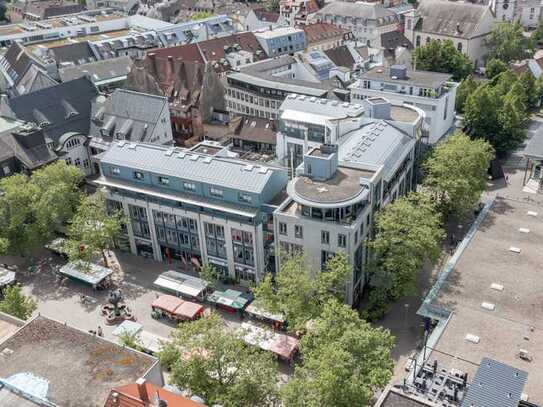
<point x="524" y="355"/>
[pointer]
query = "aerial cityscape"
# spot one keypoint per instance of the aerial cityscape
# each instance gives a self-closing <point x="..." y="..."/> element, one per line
<point x="271" y="203"/>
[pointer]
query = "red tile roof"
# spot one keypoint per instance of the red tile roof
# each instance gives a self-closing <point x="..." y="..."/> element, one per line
<point x="128" y="396"/>
<point x="322" y="31"/>
<point x="213" y="50"/>
<point x="264" y="15"/>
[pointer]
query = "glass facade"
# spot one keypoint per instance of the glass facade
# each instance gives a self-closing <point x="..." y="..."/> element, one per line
<point x="139" y="221"/>
<point x="177" y="231"/>
<point x="215" y="244"/>
<point x="242" y="244"/>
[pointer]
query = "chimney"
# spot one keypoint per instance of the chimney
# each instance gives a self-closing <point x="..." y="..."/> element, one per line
<point x="142" y="390"/>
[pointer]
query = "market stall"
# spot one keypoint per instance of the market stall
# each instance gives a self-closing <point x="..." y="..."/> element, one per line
<point x="89" y="273"/>
<point x="176" y="309"/>
<point x="230" y="300"/>
<point x="182" y="285"/>
<point x="257" y="312"/>
<point x="283" y="346"/>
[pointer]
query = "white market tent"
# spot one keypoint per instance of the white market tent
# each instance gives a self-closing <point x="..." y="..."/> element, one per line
<point x="281" y="345"/>
<point x="90" y="273"/>
<point x="182" y="284"/>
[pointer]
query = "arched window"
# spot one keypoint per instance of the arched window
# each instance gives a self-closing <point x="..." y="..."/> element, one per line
<point x="418" y="41"/>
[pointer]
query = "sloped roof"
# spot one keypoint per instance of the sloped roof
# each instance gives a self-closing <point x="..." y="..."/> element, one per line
<point x="266" y="16"/>
<point x="98" y="71"/>
<point x="128" y="396"/>
<point x="322" y="31"/>
<point x="60" y="109"/>
<point x="33" y="80"/>
<point x="30" y="147"/>
<point x="395" y="39"/>
<point x="213" y="50"/>
<point x="133" y="114"/>
<point x="184" y="165"/>
<point x="341" y="56"/>
<point x="76" y="53"/>
<point x="450" y="18"/>
<point x="17" y="60"/>
<point x="63" y="10"/>
<point x="256" y="129"/>
<point x="370" y="11"/>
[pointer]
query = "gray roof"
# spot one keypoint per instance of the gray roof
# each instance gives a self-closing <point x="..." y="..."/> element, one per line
<point x="186" y="165"/>
<point x="34" y="79"/>
<point x="397" y="399"/>
<point x="424" y="79"/>
<point x="60" y="109"/>
<point x="455" y="19"/>
<point x="534" y="148"/>
<point x="98" y="71"/>
<point x="376" y="144"/>
<point x="77" y="53"/>
<point x="81" y="375"/>
<point x="495" y="384"/>
<point x="324" y="108"/>
<point x="131" y="113"/>
<point x="260" y="74"/>
<point x="369" y="11"/>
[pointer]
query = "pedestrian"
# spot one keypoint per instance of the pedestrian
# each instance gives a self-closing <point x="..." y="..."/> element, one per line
<point x="99" y="331"/>
<point x="507" y="180"/>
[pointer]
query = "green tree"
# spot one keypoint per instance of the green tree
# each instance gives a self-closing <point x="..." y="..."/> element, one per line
<point x="299" y="293"/>
<point x="442" y="56"/>
<point x="132" y="340"/>
<point x="33" y="208"/>
<point x="530" y="91"/>
<point x="495" y="67"/>
<point x="481" y="112"/>
<point x="209" y="273"/>
<point x="16" y="303"/>
<point x="511" y="119"/>
<point x="94" y="228"/>
<point x="4" y="244"/>
<point x="408" y="232"/>
<point x="456" y="173"/>
<point x="217" y="365"/>
<point x="273" y="5"/>
<point x="200" y="15"/>
<point x="465" y="89"/>
<point x="507" y="42"/>
<point x="344" y="361"/>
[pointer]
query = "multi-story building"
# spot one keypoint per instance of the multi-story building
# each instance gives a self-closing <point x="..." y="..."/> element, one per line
<point x="195" y="206"/>
<point x="468" y="26"/>
<point x="281" y="40"/>
<point x="76" y="25"/>
<point x="259" y="89"/>
<point x="367" y="21"/>
<point x="260" y="18"/>
<point x="296" y="12"/>
<point x="430" y="91"/>
<point x="354" y="160"/>
<point x="323" y="36"/>
<point x="35" y="10"/>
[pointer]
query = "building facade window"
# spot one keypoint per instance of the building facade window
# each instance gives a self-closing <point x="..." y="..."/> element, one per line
<point x="298" y="231"/>
<point x="242" y="244"/>
<point x="341" y="240"/>
<point x="215" y="243"/>
<point x="189" y="186"/>
<point x="138" y="175"/>
<point x="282" y="228"/>
<point x="325" y="237"/>
<point x="164" y="180"/>
<point x="140" y="223"/>
<point x="216" y="192"/>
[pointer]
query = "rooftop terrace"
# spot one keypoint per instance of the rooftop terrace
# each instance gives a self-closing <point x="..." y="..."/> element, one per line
<point x="79" y="369"/>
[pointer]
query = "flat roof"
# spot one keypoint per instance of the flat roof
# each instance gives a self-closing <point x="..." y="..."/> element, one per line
<point x="403" y="114"/>
<point x="344" y="188"/>
<point x="516" y="321"/>
<point x="417" y="78"/>
<point x="277" y="32"/>
<point x="79" y="369"/>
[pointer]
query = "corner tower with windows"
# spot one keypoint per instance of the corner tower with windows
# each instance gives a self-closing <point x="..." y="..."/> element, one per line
<point x="338" y="186"/>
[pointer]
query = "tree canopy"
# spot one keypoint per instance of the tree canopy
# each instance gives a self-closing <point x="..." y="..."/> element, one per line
<point x="200" y="15"/>
<point x="456" y="173"/>
<point x="408" y="232"/>
<point x="442" y="56"/>
<point x="33" y="207"/>
<point x="495" y="67"/>
<point x="497" y="111"/>
<point x="299" y="293"/>
<point x="507" y="42"/>
<point x="16" y="303"/>
<point x="464" y="90"/>
<point x="344" y="361"/>
<point x="93" y="228"/>
<point x="213" y="362"/>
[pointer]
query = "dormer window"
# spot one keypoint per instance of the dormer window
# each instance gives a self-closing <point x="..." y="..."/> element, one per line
<point x="164" y="180"/>
<point x="115" y="170"/>
<point x="138" y="175"/>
